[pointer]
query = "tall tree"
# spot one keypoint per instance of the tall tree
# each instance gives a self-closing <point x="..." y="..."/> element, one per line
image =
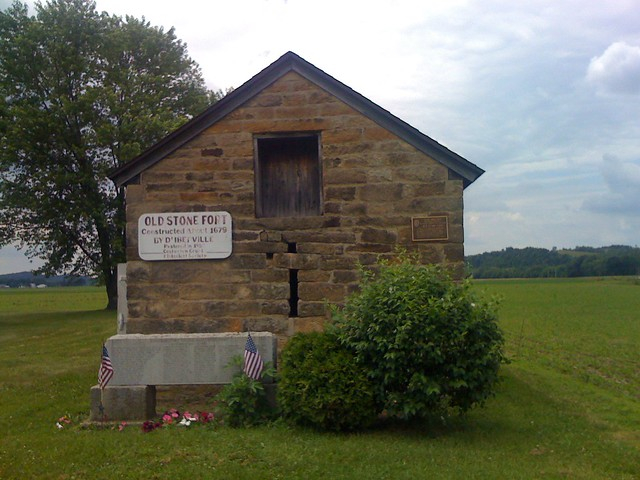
<point x="82" y="92"/>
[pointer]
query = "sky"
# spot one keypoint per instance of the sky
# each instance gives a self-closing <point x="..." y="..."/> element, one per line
<point x="543" y="95"/>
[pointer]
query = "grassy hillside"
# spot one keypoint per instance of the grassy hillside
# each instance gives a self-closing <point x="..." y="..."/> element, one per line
<point x="28" y="279"/>
<point x="568" y="407"/>
<point x="530" y="262"/>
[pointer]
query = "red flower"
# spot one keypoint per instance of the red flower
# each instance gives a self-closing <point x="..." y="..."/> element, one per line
<point x="150" y="425"/>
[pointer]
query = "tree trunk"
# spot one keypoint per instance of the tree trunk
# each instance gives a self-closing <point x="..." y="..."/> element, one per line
<point x="111" y="283"/>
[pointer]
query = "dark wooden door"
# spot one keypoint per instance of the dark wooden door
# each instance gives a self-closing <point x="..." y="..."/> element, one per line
<point x="289" y="177"/>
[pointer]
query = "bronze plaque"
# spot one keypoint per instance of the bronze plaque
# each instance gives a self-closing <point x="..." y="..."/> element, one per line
<point x="428" y="229"/>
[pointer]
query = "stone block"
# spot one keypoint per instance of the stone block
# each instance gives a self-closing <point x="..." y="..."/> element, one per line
<point x="420" y="173"/>
<point x="294" y="99"/>
<point x="330" y="222"/>
<point x="371" y="247"/>
<point x="355" y="209"/>
<point x="306" y="324"/>
<point x="248" y="260"/>
<point x="301" y="112"/>
<point x="336" y="109"/>
<point x="204" y="197"/>
<point x="340" y="193"/>
<point x="275" y="307"/>
<point x="320" y="96"/>
<point x="320" y="237"/>
<point x="374" y="235"/>
<point x="432" y="253"/>
<point x="454" y="252"/>
<point x="242" y="276"/>
<point x="428" y="206"/>
<point x="271" y="291"/>
<point x="242" y="164"/>
<point x="207" y="291"/>
<point x="311" y="309"/>
<point x="276" y="324"/>
<point x="240" y="236"/>
<point x="378" y="134"/>
<point x="181" y="359"/>
<point x="270" y="275"/>
<point x="381" y="192"/>
<point x="231" y="307"/>
<point x="267" y="236"/>
<point x="138" y="271"/>
<point x="314" y="291"/>
<point x="337" y="262"/>
<point x="265" y="100"/>
<point x="425" y="189"/>
<point x="186" y="270"/>
<point x="380" y="175"/>
<point x="314" y="276"/>
<point x="296" y="261"/>
<point x="281" y="223"/>
<point x="259" y="247"/>
<point x="169" y="187"/>
<point x="135" y="193"/>
<point x="346" y="135"/>
<point x="320" y="248"/>
<point x="211" y="152"/>
<point x="345" y="276"/>
<point x="332" y="207"/>
<point x="169" y="307"/>
<point x="456" y="233"/>
<point x="135" y="402"/>
<point x="199" y="176"/>
<point x="345" y="177"/>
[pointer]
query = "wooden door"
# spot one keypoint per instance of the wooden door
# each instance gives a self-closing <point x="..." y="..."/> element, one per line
<point x="288" y="182"/>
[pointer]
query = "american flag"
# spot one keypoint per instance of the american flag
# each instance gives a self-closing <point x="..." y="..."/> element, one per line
<point x="106" y="369"/>
<point x="252" y="360"/>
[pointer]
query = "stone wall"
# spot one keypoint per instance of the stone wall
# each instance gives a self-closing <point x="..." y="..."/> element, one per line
<point x="373" y="183"/>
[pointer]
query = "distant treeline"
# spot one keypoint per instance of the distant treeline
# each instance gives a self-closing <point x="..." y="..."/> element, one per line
<point x="28" y="279"/>
<point x="539" y="262"/>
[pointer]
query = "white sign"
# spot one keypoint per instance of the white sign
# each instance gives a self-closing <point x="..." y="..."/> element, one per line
<point x="184" y="236"/>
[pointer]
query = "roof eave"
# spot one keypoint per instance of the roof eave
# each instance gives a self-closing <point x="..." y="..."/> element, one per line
<point x="292" y="62"/>
<point x="122" y="175"/>
<point x="467" y="170"/>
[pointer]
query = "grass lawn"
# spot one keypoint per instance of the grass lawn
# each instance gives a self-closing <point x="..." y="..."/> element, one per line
<point x="568" y="406"/>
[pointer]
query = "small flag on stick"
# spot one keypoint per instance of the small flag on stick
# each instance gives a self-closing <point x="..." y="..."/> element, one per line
<point x="252" y="360"/>
<point x="106" y="369"/>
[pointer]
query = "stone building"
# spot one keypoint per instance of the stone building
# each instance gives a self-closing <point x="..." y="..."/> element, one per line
<point x="256" y="213"/>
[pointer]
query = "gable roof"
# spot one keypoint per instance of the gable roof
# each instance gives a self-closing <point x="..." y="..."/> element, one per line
<point x="292" y="62"/>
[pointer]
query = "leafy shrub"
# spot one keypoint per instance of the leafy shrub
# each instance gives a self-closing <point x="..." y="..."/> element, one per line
<point x="426" y="342"/>
<point x="321" y="385"/>
<point x="244" y="402"/>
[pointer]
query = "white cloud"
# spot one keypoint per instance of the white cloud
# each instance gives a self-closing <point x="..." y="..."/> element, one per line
<point x="622" y="196"/>
<point x="617" y="70"/>
<point x="621" y="176"/>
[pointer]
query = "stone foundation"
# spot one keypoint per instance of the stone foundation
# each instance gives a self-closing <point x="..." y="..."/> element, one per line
<point x="123" y="403"/>
<point x="142" y="362"/>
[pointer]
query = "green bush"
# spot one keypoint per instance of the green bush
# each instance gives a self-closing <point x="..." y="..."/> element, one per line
<point x="321" y="385"/>
<point x="426" y="342"/>
<point x="244" y="402"/>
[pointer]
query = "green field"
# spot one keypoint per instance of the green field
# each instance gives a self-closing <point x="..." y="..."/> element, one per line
<point x="568" y="405"/>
